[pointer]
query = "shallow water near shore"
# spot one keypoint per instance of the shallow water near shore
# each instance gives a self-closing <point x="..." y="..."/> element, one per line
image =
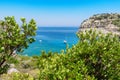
<point x="52" y="39"/>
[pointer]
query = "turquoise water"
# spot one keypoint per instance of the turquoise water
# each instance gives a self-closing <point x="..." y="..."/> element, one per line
<point x="52" y="39"/>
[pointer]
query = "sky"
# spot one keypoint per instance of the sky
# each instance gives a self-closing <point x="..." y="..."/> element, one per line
<point x="57" y="13"/>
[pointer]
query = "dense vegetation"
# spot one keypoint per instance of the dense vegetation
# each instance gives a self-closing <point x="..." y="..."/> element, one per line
<point x="94" y="57"/>
<point x="116" y="22"/>
<point x="14" y="38"/>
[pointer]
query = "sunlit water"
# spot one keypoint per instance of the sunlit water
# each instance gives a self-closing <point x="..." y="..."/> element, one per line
<point x="52" y="39"/>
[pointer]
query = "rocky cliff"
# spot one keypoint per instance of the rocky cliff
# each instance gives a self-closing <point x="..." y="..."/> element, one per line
<point x="102" y="22"/>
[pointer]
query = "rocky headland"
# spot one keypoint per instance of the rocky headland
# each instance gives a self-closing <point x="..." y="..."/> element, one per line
<point x="105" y="22"/>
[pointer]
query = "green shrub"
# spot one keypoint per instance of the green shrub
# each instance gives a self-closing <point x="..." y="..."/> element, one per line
<point x="14" y="38"/>
<point x="94" y="57"/>
<point x="116" y="22"/>
<point x="100" y="53"/>
<point x="17" y="76"/>
<point x="62" y="67"/>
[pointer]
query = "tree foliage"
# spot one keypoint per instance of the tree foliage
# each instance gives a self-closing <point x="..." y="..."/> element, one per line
<point x="62" y="67"/>
<point x="94" y="57"/>
<point x="116" y="22"/>
<point x="14" y="38"/>
<point x="17" y="76"/>
<point x="101" y="54"/>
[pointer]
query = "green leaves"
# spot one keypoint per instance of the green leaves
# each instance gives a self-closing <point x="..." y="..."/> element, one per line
<point x="31" y="40"/>
<point x="23" y="19"/>
<point x="94" y="57"/>
<point x="61" y="66"/>
<point x="100" y="53"/>
<point x="15" y="38"/>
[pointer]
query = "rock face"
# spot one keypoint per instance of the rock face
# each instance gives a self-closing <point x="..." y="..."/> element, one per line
<point x="102" y="22"/>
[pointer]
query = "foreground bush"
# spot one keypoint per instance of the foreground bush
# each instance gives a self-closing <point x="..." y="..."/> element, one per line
<point x="101" y="54"/>
<point x="62" y="67"/>
<point x="14" y="38"/>
<point x="17" y="76"/>
<point x="95" y="56"/>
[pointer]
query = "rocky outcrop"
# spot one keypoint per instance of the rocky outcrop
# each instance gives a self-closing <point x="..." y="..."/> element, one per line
<point x="11" y="70"/>
<point x="102" y="22"/>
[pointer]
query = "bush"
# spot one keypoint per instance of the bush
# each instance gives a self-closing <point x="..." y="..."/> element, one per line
<point x="62" y="67"/>
<point x="14" y="38"/>
<point x="17" y="76"/>
<point x="116" y="22"/>
<point x="94" y="57"/>
<point x="100" y="53"/>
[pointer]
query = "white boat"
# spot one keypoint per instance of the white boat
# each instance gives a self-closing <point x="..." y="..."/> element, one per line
<point x="65" y="41"/>
<point x="40" y="40"/>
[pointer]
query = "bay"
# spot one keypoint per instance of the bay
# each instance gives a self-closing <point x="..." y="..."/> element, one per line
<point x="52" y="39"/>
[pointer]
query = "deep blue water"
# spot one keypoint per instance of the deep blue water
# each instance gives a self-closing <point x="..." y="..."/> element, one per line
<point x="52" y="39"/>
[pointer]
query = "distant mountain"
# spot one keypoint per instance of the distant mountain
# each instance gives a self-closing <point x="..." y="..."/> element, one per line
<point x="104" y="22"/>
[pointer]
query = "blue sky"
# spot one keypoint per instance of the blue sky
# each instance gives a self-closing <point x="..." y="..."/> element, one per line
<point x="57" y="12"/>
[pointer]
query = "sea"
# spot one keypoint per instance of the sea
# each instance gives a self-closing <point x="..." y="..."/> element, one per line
<point x="52" y="39"/>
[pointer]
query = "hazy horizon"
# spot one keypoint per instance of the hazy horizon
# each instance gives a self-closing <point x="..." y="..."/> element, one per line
<point x="57" y="13"/>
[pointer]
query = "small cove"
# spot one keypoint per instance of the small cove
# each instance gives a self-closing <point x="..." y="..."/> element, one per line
<point x="52" y="39"/>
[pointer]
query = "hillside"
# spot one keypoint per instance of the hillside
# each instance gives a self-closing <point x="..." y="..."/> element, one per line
<point x="104" y="22"/>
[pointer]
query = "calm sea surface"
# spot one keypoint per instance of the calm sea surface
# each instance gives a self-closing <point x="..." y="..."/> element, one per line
<point x="52" y="39"/>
